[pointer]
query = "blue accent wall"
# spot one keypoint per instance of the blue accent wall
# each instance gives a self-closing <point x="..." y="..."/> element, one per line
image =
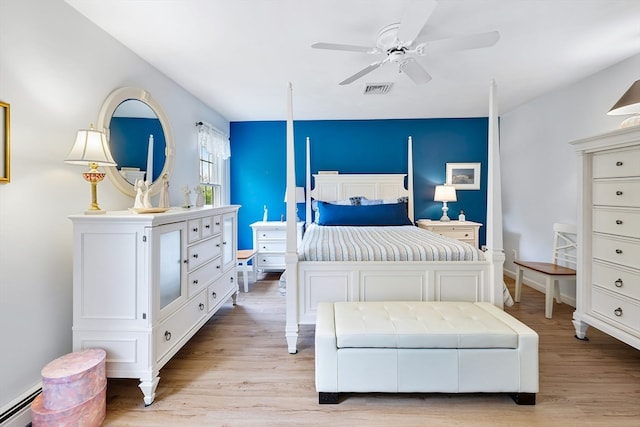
<point x="258" y="161"/>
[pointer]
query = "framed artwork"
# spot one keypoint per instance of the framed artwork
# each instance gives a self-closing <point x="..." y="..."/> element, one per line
<point x="4" y="141"/>
<point x="464" y="176"/>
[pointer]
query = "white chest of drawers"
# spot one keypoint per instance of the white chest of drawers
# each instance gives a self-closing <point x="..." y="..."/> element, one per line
<point x="466" y="231"/>
<point x="608" y="274"/>
<point x="270" y="240"/>
<point x="144" y="284"/>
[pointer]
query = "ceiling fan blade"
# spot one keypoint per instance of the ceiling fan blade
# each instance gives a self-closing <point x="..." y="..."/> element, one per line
<point x="366" y="70"/>
<point x="472" y="41"/>
<point x="345" y="47"/>
<point x="414" y="18"/>
<point x="415" y="71"/>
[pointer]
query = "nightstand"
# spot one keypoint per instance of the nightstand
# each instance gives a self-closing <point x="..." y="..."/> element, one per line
<point x="270" y="240"/>
<point x="466" y="231"/>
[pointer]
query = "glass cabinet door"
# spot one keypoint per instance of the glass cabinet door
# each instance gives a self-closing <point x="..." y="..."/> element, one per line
<point x="169" y="253"/>
<point x="228" y="241"/>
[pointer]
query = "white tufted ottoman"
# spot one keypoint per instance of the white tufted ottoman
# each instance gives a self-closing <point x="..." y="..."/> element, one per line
<point x="423" y="347"/>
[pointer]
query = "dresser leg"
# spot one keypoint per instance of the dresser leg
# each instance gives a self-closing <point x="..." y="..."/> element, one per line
<point x="581" y="329"/>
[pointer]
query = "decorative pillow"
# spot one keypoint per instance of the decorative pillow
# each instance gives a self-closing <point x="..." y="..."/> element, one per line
<point x="372" y="215"/>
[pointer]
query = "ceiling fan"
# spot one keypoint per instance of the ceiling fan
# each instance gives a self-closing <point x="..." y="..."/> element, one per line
<point x="399" y="43"/>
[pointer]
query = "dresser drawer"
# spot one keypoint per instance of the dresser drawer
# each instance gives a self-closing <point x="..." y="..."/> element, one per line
<point x="619" y="251"/>
<point x="174" y="328"/>
<point x="619" y="222"/>
<point x="205" y="274"/>
<point x="623" y="193"/>
<point x="202" y="252"/>
<point x="616" y="279"/>
<point x="207" y="227"/>
<point x="616" y="164"/>
<point x="222" y="287"/>
<point x="616" y="308"/>
<point x="272" y="247"/>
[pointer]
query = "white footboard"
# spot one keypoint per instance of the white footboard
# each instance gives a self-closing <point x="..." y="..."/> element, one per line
<point x="316" y="282"/>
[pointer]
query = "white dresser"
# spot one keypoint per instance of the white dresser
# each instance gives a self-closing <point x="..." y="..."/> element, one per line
<point x="465" y="231"/>
<point x="270" y="240"/>
<point x="608" y="274"/>
<point x="144" y="284"/>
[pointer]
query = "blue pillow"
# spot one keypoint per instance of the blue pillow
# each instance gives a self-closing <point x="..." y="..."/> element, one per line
<point x="371" y="215"/>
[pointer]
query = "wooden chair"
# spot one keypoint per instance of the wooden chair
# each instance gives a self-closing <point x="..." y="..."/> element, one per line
<point x="244" y="256"/>
<point x="561" y="267"/>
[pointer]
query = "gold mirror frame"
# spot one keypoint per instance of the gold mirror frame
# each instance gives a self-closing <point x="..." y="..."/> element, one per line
<point x="5" y="134"/>
<point x="112" y="102"/>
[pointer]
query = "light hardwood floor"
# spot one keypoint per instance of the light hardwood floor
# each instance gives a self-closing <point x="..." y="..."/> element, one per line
<point x="236" y="372"/>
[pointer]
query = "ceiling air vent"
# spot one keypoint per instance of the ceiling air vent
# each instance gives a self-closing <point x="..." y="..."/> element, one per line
<point x="377" y="88"/>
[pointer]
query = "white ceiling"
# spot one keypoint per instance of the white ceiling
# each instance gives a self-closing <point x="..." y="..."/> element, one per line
<point x="239" y="55"/>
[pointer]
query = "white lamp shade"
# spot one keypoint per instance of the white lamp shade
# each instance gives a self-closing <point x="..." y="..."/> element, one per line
<point x="629" y="103"/>
<point x="91" y="146"/>
<point x="445" y="193"/>
<point x="299" y="195"/>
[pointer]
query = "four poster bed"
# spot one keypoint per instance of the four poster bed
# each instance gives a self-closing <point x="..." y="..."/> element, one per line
<point x="394" y="265"/>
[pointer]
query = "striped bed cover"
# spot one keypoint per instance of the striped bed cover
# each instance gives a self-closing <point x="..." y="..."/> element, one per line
<point x="394" y="243"/>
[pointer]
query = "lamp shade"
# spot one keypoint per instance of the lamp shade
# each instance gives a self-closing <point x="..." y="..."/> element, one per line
<point x="91" y="146"/>
<point x="299" y="195"/>
<point x="629" y="103"/>
<point x="445" y="193"/>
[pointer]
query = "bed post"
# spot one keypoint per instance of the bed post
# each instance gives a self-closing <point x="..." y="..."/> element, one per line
<point x="494" y="252"/>
<point x="410" y="177"/>
<point x="307" y="218"/>
<point x="291" y="255"/>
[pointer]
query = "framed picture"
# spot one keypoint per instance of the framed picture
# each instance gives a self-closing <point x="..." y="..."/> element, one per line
<point x="4" y="141"/>
<point x="464" y="176"/>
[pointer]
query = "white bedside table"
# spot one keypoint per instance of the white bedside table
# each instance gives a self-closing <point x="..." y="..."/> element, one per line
<point x="466" y="231"/>
<point x="270" y="240"/>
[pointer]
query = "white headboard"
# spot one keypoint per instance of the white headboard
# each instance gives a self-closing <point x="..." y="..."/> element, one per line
<point x="331" y="187"/>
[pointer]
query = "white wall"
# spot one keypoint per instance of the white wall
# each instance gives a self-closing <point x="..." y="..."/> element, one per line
<point x="539" y="166"/>
<point x="56" y="69"/>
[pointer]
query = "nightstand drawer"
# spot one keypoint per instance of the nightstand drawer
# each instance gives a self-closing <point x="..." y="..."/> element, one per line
<point x="270" y="261"/>
<point x="272" y="246"/>
<point x="273" y="234"/>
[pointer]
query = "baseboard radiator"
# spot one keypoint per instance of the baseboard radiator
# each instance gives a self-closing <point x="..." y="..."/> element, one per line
<point x="20" y="407"/>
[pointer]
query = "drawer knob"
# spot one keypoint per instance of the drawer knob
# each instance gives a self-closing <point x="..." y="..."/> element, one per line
<point x="201" y="305"/>
<point x="618" y="193"/>
<point x="218" y="267"/>
<point x="231" y="279"/>
<point x="619" y="221"/>
<point x="618" y="163"/>
<point x="619" y="283"/>
<point x="224" y="243"/>
<point x="167" y="335"/>
<point x="195" y="229"/>
<point x="195" y="256"/>
<point x="619" y="251"/>
<point x="217" y="245"/>
<point x="618" y="312"/>
<point x="217" y="223"/>
<point x="207" y="226"/>
<point x="214" y="295"/>
<point x="195" y="282"/>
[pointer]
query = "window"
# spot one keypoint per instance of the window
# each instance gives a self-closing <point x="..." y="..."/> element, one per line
<point x="214" y="149"/>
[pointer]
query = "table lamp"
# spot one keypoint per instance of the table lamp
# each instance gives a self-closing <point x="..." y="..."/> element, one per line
<point x="91" y="148"/>
<point x="445" y="193"/>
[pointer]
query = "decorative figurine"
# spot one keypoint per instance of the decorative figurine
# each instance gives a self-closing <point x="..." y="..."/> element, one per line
<point x="199" y="196"/>
<point x="265" y="214"/>
<point x="187" y="197"/>
<point x="146" y="198"/>
<point x="138" y="202"/>
<point x="461" y="217"/>
<point x="164" y="193"/>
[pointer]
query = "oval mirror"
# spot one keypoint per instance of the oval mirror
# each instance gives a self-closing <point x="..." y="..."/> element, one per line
<point x="140" y="139"/>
